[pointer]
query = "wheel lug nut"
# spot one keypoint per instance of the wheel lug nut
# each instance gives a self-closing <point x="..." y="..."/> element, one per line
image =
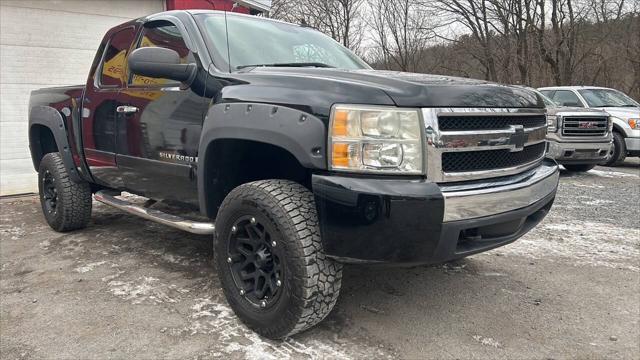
<point x="234" y="229"/>
<point x="263" y="304"/>
<point x="229" y="260"/>
<point x="278" y="283"/>
<point x="253" y="221"/>
<point x="273" y="243"/>
<point x="242" y="292"/>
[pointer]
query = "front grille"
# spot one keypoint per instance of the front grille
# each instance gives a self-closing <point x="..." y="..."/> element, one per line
<point x="584" y="126"/>
<point x="469" y="144"/>
<point x="490" y="159"/>
<point x="489" y="122"/>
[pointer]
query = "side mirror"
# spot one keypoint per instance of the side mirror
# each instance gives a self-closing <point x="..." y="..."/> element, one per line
<point x="161" y="63"/>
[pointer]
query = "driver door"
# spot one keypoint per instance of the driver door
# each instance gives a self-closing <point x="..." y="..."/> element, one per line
<point x="158" y="126"/>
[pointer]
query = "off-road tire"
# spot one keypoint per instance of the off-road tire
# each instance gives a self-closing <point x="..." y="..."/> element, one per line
<point x="579" y="167"/>
<point x="619" y="152"/>
<point x="311" y="281"/>
<point x="73" y="203"/>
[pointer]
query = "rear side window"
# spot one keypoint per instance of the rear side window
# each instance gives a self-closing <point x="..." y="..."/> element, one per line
<point x="166" y="35"/>
<point x="567" y="98"/>
<point x="112" y="70"/>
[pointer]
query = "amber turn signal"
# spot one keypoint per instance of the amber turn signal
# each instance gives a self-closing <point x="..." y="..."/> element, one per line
<point x="340" y="155"/>
<point x="340" y="123"/>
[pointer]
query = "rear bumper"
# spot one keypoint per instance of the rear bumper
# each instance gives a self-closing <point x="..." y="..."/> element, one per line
<point x="579" y="153"/>
<point x="411" y="222"/>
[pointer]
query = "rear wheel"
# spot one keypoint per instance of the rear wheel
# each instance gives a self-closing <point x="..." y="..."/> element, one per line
<point x="579" y="167"/>
<point x="268" y="253"/>
<point x="66" y="205"/>
<point x="619" y="152"/>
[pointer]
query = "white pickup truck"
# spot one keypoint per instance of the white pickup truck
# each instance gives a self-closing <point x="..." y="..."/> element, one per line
<point x="624" y="112"/>
<point x="578" y="138"/>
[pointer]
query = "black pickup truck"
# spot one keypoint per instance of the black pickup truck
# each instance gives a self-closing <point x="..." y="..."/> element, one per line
<point x="298" y="155"/>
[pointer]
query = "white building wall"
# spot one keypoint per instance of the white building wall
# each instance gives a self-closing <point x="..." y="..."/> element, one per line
<point x="47" y="43"/>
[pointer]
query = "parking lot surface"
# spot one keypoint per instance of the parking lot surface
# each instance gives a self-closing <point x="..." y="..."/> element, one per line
<point x="128" y="288"/>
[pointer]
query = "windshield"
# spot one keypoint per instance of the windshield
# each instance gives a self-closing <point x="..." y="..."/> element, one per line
<point x="606" y="98"/>
<point x="260" y="42"/>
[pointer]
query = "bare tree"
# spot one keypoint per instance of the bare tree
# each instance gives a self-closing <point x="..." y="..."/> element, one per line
<point x="340" y="19"/>
<point x="401" y="30"/>
<point x="531" y="42"/>
<point x="475" y="16"/>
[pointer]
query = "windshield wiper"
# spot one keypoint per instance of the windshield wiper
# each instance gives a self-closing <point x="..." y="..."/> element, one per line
<point x="300" y="64"/>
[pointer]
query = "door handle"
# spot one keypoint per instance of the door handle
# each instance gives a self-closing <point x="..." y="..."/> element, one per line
<point x="124" y="109"/>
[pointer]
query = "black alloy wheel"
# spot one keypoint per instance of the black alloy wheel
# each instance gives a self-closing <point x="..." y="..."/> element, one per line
<point x="49" y="193"/>
<point x="255" y="262"/>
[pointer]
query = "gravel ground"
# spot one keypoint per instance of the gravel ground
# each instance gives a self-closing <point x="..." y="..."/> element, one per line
<point x="125" y="288"/>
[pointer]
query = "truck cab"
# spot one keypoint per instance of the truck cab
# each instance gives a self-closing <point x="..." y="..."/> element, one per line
<point x="299" y="156"/>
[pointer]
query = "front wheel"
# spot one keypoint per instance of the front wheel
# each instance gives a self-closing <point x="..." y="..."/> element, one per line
<point x="268" y="253"/>
<point x="579" y="167"/>
<point x="619" y="152"/>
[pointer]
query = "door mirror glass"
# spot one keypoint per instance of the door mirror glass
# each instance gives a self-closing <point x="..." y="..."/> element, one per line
<point x="157" y="62"/>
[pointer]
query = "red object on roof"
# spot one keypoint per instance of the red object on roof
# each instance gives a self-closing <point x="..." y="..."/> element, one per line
<point x="224" y="5"/>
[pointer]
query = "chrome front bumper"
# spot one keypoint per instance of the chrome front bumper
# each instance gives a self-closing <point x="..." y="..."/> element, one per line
<point x="469" y="201"/>
<point x="572" y="151"/>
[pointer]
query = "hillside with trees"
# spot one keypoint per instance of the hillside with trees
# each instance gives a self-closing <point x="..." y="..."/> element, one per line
<point x="528" y="42"/>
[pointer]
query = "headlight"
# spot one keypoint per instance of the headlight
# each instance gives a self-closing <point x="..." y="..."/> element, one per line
<point x="552" y="123"/>
<point x="375" y="139"/>
<point x="634" y="123"/>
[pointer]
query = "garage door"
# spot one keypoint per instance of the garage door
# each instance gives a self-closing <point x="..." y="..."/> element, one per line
<point x="47" y="43"/>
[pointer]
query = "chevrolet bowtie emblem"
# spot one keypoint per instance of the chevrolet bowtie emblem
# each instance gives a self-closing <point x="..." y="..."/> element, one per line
<point x="518" y="138"/>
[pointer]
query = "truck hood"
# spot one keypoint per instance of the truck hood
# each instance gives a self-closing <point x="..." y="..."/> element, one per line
<point x="622" y="112"/>
<point x="574" y="110"/>
<point x="416" y="90"/>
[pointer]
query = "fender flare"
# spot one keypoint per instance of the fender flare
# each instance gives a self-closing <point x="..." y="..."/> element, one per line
<point x="301" y="134"/>
<point x="52" y="119"/>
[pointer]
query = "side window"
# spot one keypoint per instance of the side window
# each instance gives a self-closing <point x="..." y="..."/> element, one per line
<point x="566" y="98"/>
<point x="112" y="70"/>
<point x="161" y="34"/>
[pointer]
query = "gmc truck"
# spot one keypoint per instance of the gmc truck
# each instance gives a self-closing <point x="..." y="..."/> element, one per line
<point x="299" y="156"/>
<point x="623" y="110"/>
<point x="578" y="138"/>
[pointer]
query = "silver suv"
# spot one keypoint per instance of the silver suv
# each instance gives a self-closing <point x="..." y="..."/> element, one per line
<point x="624" y="112"/>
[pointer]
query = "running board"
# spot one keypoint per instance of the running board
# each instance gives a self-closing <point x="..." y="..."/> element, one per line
<point x="194" y="227"/>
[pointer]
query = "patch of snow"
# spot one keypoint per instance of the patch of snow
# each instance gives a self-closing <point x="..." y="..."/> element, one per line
<point x="174" y="259"/>
<point x="487" y="341"/>
<point x="89" y="267"/>
<point x="145" y="289"/>
<point x="611" y="174"/>
<point x="596" y="202"/>
<point x="217" y="319"/>
<point x="584" y="242"/>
